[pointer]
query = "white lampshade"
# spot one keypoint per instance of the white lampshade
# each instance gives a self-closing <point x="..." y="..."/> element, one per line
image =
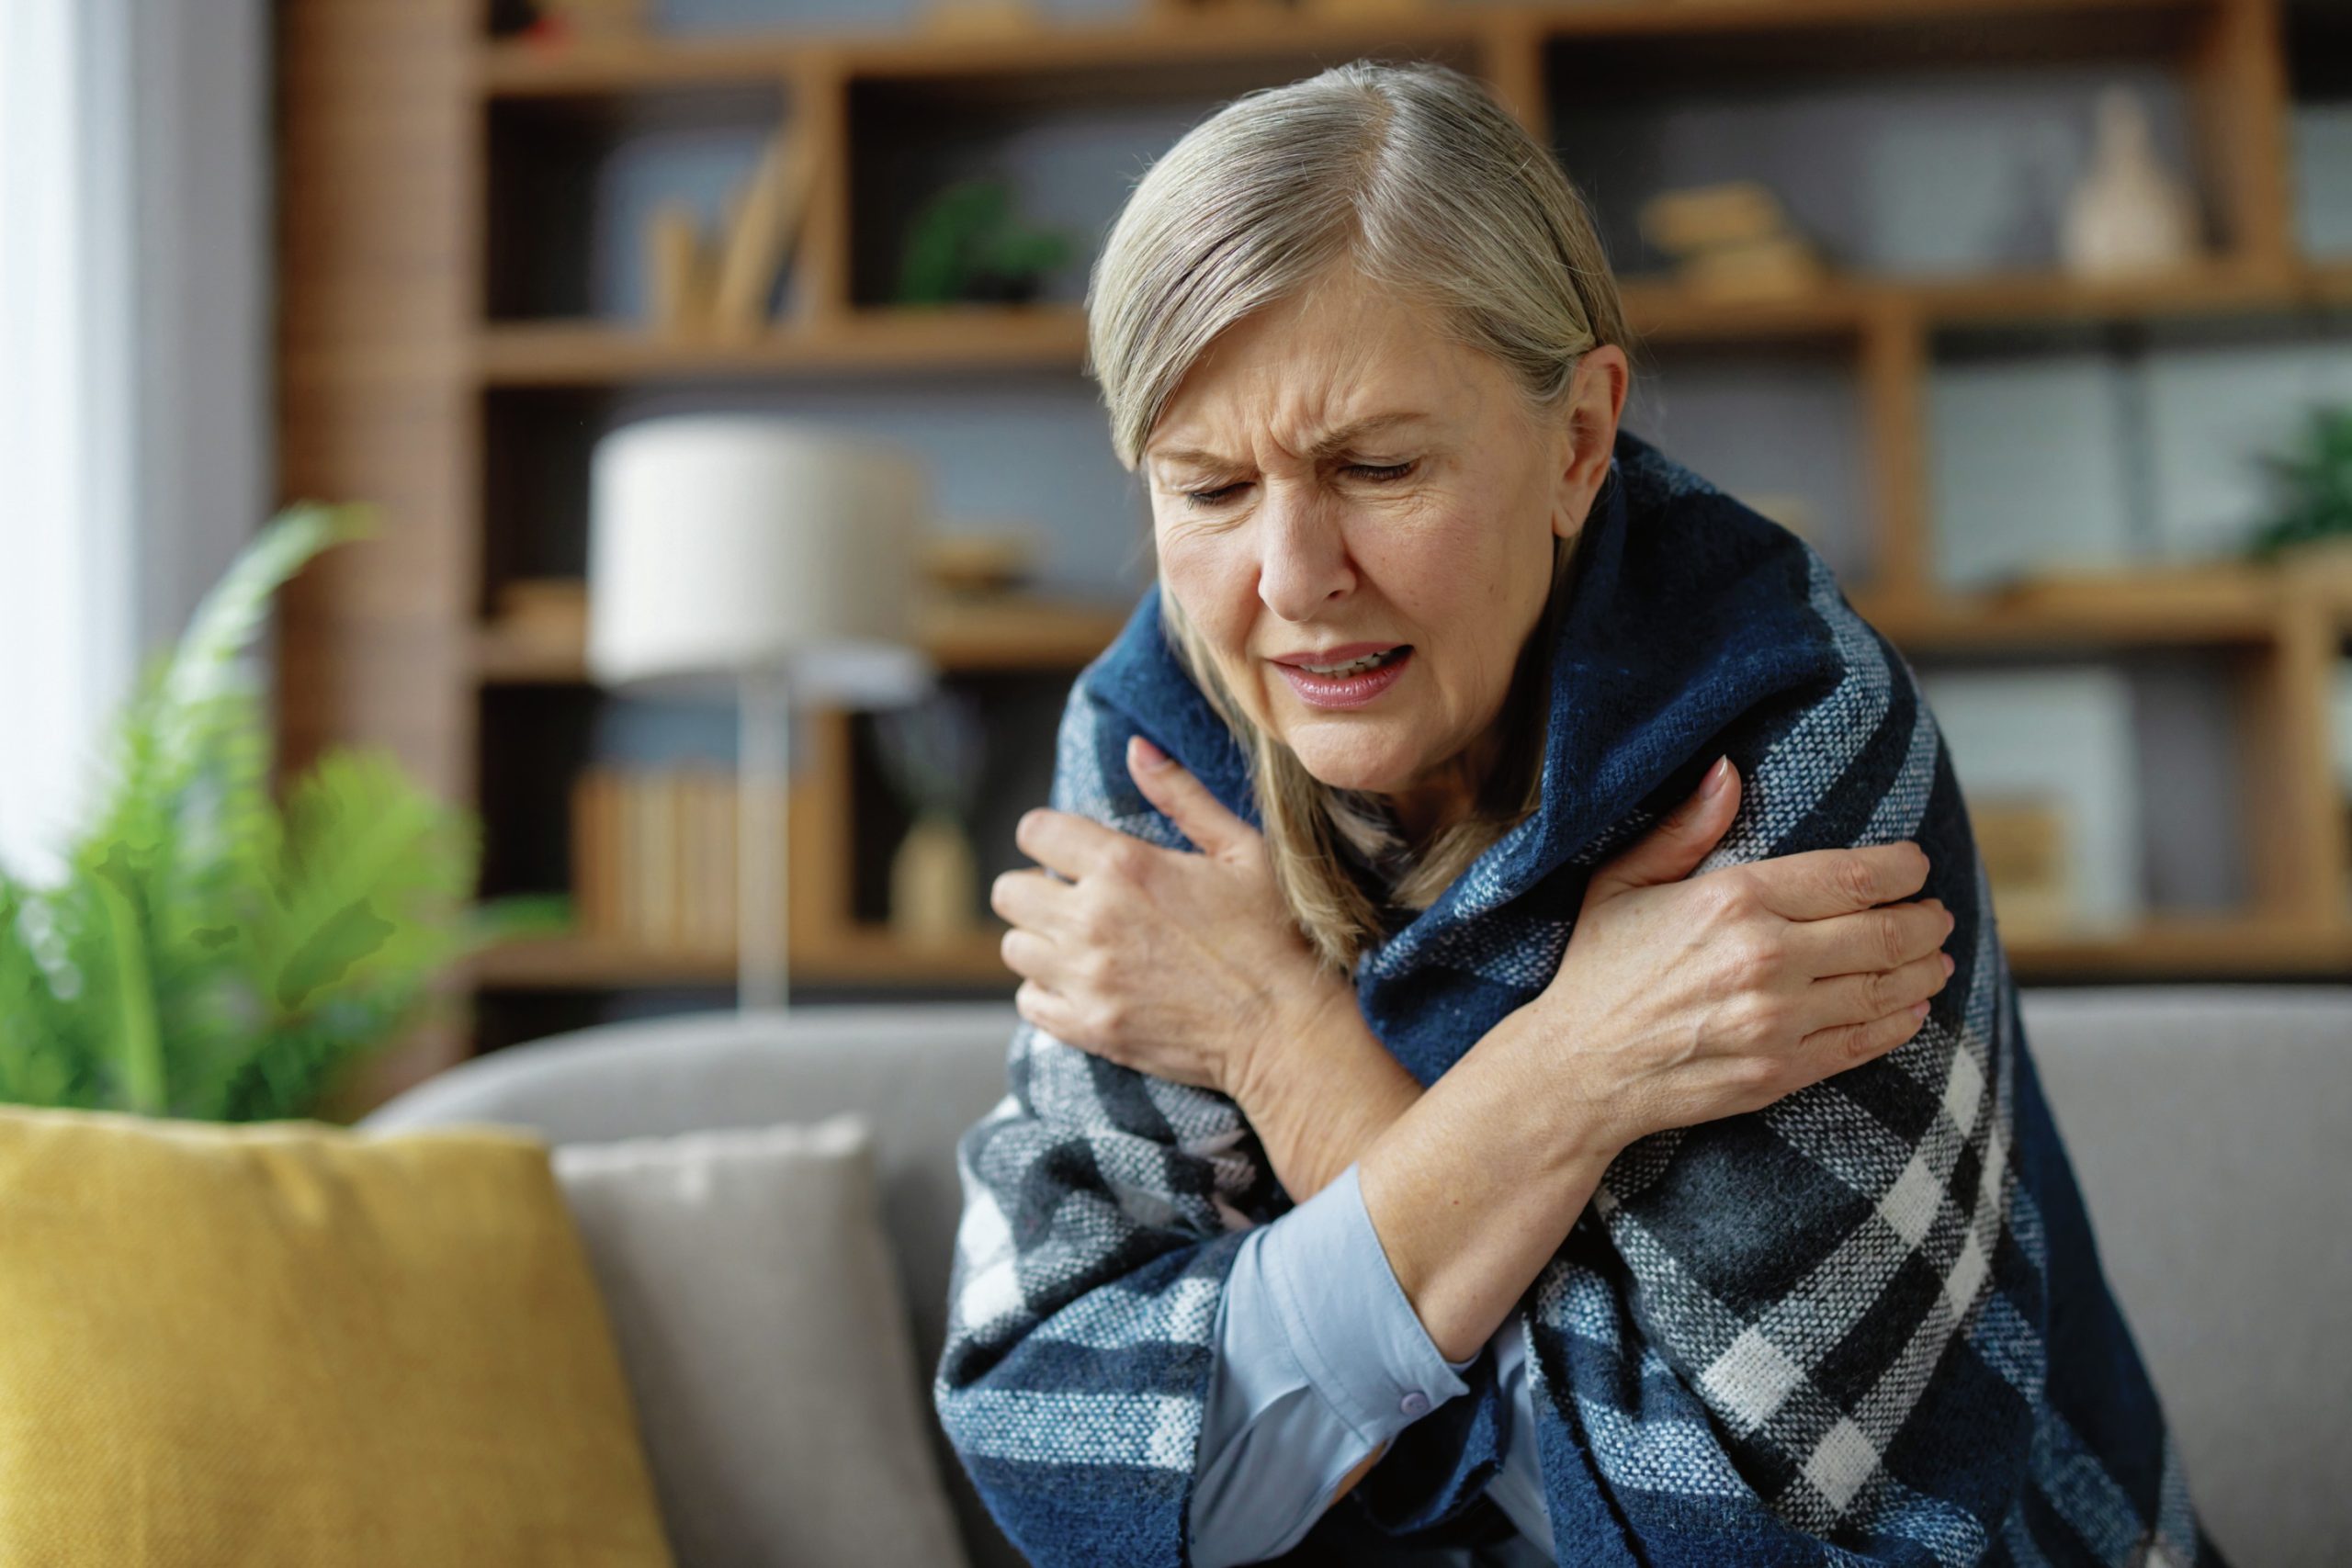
<point x="727" y="545"/>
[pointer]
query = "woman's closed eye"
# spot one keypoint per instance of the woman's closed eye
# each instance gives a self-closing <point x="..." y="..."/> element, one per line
<point x="1207" y="498"/>
<point x="1377" y="473"/>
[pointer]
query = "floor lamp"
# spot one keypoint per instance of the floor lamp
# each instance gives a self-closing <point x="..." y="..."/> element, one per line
<point x="767" y="558"/>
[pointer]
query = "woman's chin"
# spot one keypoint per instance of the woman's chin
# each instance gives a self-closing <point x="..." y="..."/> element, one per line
<point x="1352" y="764"/>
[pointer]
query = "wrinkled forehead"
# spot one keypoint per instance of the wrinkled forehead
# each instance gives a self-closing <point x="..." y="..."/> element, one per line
<point x="1314" y="376"/>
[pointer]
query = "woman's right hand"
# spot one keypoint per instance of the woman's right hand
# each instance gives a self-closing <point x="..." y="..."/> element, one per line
<point x="1684" y="998"/>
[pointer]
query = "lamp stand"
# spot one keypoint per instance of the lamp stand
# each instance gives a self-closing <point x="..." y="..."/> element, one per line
<point x="762" y="821"/>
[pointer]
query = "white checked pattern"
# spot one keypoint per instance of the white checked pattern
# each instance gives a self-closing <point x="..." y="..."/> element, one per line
<point x="1748" y="1382"/>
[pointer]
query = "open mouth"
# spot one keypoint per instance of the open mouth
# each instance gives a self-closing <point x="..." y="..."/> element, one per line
<point x="1369" y="662"/>
<point x="1350" y="683"/>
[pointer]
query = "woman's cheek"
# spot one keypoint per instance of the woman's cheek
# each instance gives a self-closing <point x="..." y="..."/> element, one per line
<point x="1216" y="590"/>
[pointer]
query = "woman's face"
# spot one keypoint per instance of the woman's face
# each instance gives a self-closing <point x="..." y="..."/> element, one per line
<point x="1357" y="515"/>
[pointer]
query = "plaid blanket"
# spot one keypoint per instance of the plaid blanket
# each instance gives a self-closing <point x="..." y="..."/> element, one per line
<point x="1866" y="1324"/>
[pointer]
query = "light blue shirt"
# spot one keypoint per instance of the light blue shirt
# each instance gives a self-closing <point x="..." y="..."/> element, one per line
<point x="1321" y="1361"/>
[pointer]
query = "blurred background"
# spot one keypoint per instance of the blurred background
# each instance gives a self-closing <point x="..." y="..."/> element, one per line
<point x="2033" y="316"/>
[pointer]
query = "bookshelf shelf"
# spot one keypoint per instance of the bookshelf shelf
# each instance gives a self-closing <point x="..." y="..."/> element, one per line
<point x="1016" y="632"/>
<point x="1849" y="305"/>
<point x="593" y="353"/>
<point x="2210" y="947"/>
<point x="855" y="956"/>
<point x="2220" y="606"/>
<point x="1053" y="337"/>
<point x="439" y="364"/>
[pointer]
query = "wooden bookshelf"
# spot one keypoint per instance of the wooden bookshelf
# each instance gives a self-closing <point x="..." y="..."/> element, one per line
<point x="393" y="365"/>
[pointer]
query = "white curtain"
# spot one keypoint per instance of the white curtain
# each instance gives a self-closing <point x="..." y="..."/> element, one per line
<point x="133" y="350"/>
<point x="67" y="599"/>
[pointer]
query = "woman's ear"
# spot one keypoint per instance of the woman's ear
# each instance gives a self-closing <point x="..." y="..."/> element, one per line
<point x="1596" y="398"/>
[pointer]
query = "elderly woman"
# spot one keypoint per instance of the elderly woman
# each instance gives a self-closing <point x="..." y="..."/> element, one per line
<point x="1484" y="1055"/>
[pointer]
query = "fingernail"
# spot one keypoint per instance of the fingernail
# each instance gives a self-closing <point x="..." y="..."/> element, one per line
<point x="1717" y="776"/>
<point x="1948" y="964"/>
<point x="1918" y="1010"/>
<point x="1151" y="756"/>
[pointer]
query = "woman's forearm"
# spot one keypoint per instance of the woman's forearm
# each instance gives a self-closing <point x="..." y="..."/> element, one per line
<point x="1471" y="1186"/>
<point x="1320" y="1089"/>
<point x="1473" y="1189"/>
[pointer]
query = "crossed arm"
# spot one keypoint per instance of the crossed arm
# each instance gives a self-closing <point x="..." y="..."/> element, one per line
<point x="1690" y="1000"/>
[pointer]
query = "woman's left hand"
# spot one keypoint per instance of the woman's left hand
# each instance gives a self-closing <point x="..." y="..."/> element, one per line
<point x="1175" y="965"/>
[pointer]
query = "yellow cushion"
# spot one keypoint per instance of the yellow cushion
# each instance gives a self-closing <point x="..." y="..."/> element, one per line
<point x="290" y="1343"/>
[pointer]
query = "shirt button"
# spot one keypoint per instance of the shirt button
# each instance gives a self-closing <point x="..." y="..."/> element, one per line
<point x="1414" y="1405"/>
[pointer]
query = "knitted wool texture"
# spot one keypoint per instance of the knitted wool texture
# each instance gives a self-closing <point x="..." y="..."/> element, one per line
<point x="1866" y="1324"/>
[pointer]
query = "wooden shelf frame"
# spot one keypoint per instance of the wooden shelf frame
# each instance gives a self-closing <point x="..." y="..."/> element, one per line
<point x="387" y="353"/>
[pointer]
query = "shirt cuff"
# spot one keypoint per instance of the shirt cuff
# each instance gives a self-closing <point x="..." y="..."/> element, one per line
<point x="1356" y="1337"/>
<point x="1433" y="1482"/>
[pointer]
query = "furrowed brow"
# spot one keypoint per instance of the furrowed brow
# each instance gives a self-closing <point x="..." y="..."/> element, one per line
<point x="1338" y="441"/>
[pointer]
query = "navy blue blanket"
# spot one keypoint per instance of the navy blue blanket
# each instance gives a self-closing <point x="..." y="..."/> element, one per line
<point x="1866" y="1324"/>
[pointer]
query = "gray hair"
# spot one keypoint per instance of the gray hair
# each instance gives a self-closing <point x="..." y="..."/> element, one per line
<point x="1417" y="178"/>
<point x="1413" y="173"/>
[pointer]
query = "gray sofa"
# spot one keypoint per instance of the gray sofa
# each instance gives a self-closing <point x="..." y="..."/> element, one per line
<point x="2210" y="1127"/>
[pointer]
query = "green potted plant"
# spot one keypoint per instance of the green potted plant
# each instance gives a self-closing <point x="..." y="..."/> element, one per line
<point x="968" y="246"/>
<point x="210" y="952"/>
<point x="2311" y="488"/>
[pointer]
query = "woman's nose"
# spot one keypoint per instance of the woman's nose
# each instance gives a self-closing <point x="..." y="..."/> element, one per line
<point x="1303" y="559"/>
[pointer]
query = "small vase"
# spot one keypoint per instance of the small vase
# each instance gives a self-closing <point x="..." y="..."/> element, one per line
<point x="2130" y="214"/>
<point x="933" y="883"/>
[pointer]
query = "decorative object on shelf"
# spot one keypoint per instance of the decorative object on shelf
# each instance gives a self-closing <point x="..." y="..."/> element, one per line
<point x="764" y="219"/>
<point x="2022" y="841"/>
<point x="2052" y="755"/>
<point x="700" y="285"/>
<point x="967" y="18"/>
<point x="654" y="860"/>
<point x="2129" y="214"/>
<point x="2311" y="487"/>
<point x="558" y="24"/>
<point x="966" y="247"/>
<point x="210" y="953"/>
<point x="932" y="753"/>
<point x="978" y="565"/>
<point x="1731" y="241"/>
<point x="679" y="270"/>
<point x="766" y="556"/>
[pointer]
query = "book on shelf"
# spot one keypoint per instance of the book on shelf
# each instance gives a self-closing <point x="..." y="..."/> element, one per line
<point x="653" y="857"/>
